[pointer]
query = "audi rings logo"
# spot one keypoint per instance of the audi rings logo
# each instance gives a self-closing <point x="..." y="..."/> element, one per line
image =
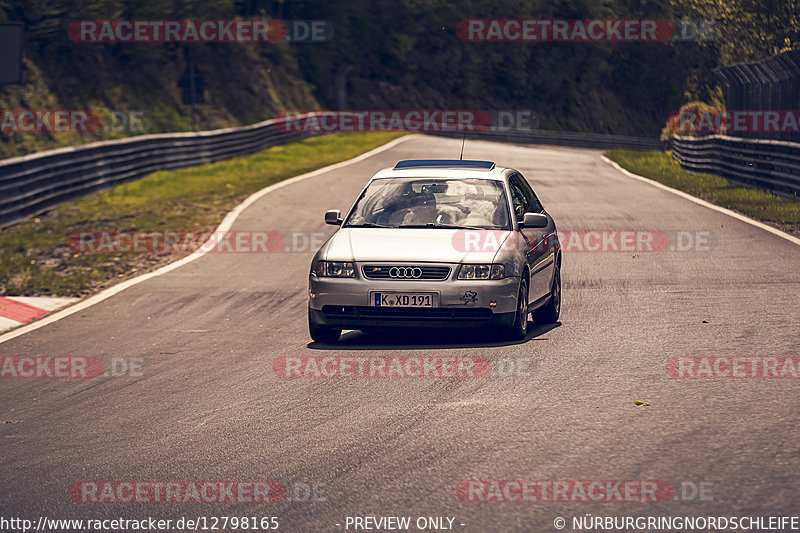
<point x="405" y="272"/>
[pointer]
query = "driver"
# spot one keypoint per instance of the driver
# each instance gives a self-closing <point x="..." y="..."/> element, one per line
<point x="414" y="208"/>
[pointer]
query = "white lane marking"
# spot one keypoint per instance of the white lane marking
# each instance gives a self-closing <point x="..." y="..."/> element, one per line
<point x="698" y="201"/>
<point x="225" y="225"/>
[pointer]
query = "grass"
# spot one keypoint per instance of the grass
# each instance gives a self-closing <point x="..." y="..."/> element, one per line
<point x="35" y="258"/>
<point x="780" y="212"/>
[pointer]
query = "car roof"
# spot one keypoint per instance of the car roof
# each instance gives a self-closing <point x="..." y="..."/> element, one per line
<point x="444" y="168"/>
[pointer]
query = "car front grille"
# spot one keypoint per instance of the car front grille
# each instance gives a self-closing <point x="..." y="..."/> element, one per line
<point x="406" y="272"/>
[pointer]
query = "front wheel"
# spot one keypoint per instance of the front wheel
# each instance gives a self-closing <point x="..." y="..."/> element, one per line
<point x="520" y="327"/>
<point x="549" y="313"/>
<point x="322" y="334"/>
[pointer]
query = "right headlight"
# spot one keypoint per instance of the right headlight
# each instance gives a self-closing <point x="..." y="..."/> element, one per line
<point x="335" y="269"/>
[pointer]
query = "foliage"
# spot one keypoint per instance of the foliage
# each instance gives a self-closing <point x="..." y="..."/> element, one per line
<point x="675" y="126"/>
<point x="405" y="53"/>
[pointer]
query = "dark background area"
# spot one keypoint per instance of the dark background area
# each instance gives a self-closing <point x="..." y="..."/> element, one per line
<point x="405" y="55"/>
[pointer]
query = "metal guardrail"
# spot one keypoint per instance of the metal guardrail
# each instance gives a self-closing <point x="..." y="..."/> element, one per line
<point x="565" y="138"/>
<point x="31" y="184"/>
<point x="34" y="183"/>
<point x="770" y="84"/>
<point x="766" y="164"/>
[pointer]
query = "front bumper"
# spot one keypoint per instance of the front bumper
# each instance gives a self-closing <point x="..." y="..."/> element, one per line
<point x="345" y="303"/>
<point x="349" y="317"/>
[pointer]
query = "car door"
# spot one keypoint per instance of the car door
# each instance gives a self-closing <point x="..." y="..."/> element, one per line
<point x="537" y="240"/>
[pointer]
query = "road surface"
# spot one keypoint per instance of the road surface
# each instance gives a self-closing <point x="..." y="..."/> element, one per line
<point x="208" y="406"/>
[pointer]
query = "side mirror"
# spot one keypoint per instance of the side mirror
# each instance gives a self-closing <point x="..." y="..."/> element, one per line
<point x="534" y="220"/>
<point x="333" y="217"/>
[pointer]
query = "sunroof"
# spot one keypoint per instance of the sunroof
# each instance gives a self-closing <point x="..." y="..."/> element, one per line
<point x="444" y="163"/>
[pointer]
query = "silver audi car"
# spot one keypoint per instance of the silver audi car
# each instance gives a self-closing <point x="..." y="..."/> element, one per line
<point x="438" y="243"/>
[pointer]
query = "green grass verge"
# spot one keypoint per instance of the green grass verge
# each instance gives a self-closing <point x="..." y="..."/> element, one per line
<point x="34" y="255"/>
<point x="781" y="212"/>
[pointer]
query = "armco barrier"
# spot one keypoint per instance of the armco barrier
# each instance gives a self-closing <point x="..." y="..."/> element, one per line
<point x="766" y="164"/>
<point x="31" y="184"/>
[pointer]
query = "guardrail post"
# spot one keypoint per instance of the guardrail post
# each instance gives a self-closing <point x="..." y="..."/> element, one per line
<point x="341" y="85"/>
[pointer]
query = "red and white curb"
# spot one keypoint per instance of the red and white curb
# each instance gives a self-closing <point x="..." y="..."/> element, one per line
<point x="17" y="310"/>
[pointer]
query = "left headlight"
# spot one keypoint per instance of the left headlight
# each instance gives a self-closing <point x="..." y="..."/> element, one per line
<point x="482" y="272"/>
<point x="335" y="269"/>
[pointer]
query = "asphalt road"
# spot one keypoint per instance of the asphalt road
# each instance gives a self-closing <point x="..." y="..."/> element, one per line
<point x="208" y="405"/>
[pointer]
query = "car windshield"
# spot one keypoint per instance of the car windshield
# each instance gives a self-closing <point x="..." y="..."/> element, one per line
<point x="432" y="202"/>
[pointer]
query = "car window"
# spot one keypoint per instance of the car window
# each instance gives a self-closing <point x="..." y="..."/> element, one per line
<point x="518" y="199"/>
<point x="534" y="206"/>
<point x="528" y="200"/>
<point x="398" y="202"/>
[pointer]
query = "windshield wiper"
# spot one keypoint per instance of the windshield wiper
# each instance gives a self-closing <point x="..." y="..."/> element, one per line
<point x="435" y="225"/>
<point x="368" y="225"/>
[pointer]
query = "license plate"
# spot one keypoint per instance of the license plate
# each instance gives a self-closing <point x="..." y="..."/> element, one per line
<point x="403" y="299"/>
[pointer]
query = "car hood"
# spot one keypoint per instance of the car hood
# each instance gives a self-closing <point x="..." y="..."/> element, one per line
<point x="409" y="244"/>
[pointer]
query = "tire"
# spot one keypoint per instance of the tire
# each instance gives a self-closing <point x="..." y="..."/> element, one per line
<point x="322" y="334"/>
<point x="549" y="313"/>
<point x="519" y="329"/>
